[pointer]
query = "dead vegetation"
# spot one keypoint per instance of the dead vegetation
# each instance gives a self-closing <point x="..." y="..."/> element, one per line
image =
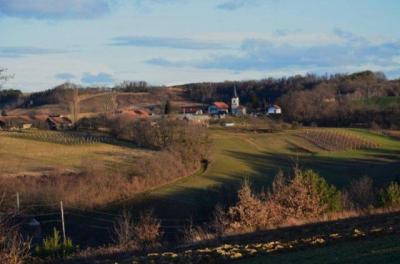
<point x="142" y="235"/>
<point x="14" y="249"/>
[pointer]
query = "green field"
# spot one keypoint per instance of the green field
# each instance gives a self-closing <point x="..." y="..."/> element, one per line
<point x="259" y="157"/>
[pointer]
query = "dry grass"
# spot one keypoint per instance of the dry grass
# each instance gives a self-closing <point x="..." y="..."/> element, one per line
<point x="31" y="157"/>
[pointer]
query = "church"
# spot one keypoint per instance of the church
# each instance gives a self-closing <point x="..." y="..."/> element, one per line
<point x="236" y="108"/>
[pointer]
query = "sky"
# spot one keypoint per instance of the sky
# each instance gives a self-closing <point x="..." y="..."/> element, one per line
<point x="44" y="43"/>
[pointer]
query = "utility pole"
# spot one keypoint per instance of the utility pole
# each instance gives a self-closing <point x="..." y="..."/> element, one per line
<point x="63" y="222"/>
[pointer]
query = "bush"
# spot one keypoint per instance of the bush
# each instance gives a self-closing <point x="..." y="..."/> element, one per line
<point x="306" y="195"/>
<point x="52" y="247"/>
<point x="14" y="249"/>
<point x="329" y="196"/>
<point x="143" y="235"/>
<point x="361" y="194"/>
<point x="391" y="195"/>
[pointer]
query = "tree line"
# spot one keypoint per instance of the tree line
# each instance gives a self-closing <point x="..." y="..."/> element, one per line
<point x="329" y="100"/>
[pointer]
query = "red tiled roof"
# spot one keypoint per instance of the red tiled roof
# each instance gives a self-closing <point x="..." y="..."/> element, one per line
<point x="60" y="120"/>
<point x="221" y="105"/>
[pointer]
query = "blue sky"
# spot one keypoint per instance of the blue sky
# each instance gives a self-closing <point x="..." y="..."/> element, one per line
<point x="47" y="42"/>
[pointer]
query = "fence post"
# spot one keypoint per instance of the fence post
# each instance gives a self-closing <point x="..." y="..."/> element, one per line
<point x="63" y="222"/>
<point x="17" y="202"/>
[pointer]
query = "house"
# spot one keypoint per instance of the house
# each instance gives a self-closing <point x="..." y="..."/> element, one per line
<point x="59" y="122"/>
<point x="195" y="119"/>
<point x="218" y="108"/>
<point x="274" y="110"/>
<point x="15" y="122"/>
<point x="192" y="109"/>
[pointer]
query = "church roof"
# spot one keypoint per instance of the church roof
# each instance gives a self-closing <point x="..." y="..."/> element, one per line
<point x="234" y="91"/>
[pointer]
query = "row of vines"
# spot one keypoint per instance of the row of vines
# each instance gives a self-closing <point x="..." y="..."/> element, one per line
<point x="336" y="140"/>
<point x="58" y="137"/>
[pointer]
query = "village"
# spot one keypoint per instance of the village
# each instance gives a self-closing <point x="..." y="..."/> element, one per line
<point x="192" y="113"/>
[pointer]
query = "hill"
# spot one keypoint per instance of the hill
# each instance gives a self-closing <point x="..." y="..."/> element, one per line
<point x="259" y="157"/>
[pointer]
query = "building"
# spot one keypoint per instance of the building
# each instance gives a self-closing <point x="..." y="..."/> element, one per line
<point x="59" y="122"/>
<point x="218" y="108"/>
<point x="192" y="109"/>
<point x="195" y="119"/>
<point x="274" y="110"/>
<point x="236" y="108"/>
<point x="15" y="122"/>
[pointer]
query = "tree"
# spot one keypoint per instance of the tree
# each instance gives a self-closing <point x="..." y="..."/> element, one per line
<point x="4" y="76"/>
<point x="168" y="107"/>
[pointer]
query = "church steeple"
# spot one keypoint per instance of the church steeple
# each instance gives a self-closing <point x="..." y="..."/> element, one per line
<point x="235" y="100"/>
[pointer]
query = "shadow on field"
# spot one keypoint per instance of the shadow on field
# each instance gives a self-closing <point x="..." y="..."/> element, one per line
<point x="333" y="232"/>
<point x="338" y="171"/>
<point x="182" y="205"/>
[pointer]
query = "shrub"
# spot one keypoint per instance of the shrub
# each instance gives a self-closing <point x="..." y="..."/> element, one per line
<point x="145" y="234"/>
<point x="52" y="247"/>
<point x="123" y="229"/>
<point x="14" y="249"/>
<point x="249" y="212"/>
<point x="329" y="196"/>
<point x="306" y="195"/>
<point x="147" y="231"/>
<point x="391" y="195"/>
<point x="361" y="194"/>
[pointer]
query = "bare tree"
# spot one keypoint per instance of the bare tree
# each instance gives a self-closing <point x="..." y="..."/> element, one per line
<point x="74" y="107"/>
<point x="4" y="76"/>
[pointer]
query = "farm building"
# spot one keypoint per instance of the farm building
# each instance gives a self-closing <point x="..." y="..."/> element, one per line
<point x="195" y="119"/>
<point x="274" y="110"/>
<point x="59" y="122"/>
<point x="15" y="122"/>
<point x="192" y="109"/>
<point x="218" y="108"/>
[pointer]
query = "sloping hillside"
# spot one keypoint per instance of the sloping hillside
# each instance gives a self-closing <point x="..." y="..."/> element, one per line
<point x="106" y="101"/>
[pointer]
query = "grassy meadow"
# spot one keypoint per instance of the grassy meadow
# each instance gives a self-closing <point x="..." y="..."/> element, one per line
<point x="258" y="157"/>
<point x="30" y="155"/>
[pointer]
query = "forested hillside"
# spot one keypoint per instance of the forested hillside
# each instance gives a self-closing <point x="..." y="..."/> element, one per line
<point x="335" y="100"/>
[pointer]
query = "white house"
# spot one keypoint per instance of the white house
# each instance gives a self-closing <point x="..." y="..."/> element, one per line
<point x="274" y="110"/>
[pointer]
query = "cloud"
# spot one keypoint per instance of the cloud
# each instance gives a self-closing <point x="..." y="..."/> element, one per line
<point x="54" y="9"/>
<point x="231" y="5"/>
<point x="164" y="62"/>
<point x="65" y="76"/>
<point x="15" y="52"/>
<point x="100" y="78"/>
<point x="265" y="55"/>
<point x="165" y="42"/>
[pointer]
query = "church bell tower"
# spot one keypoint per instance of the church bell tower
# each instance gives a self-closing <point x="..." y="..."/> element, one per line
<point x="235" y="100"/>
